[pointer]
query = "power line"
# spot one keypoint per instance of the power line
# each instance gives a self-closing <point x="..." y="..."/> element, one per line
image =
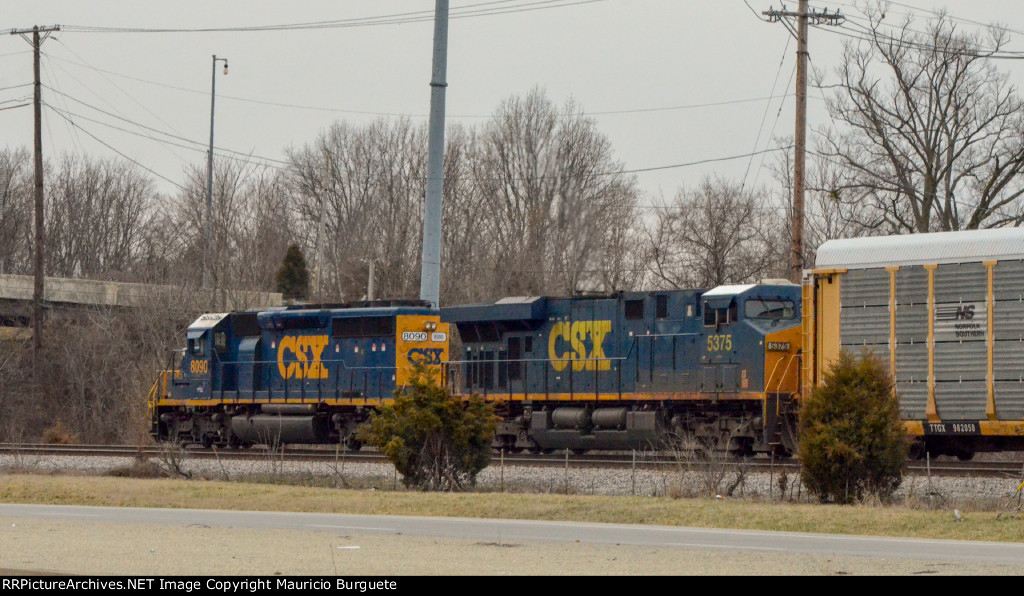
<point x="248" y="158"/>
<point x="372" y="113"/>
<point x="108" y="146"/>
<point x="757" y="140"/>
<point x="468" y="11"/>
<point x="158" y="131"/>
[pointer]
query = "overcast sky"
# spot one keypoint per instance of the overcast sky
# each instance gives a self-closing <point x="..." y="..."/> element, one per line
<point x="646" y="70"/>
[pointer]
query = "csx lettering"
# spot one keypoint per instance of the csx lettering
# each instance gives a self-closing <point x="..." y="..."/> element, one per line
<point x="575" y="334"/>
<point x="720" y="343"/>
<point x="306" y="350"/>
<point x="200" y="367"/>
<point x="429" y="356"/>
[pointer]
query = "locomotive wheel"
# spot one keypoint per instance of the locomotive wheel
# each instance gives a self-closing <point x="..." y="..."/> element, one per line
<point x="353" y="444"/>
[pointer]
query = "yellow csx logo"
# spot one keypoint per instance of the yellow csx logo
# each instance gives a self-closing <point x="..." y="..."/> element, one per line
<point x="575" y="334"/>
<point x="306" y="350"/>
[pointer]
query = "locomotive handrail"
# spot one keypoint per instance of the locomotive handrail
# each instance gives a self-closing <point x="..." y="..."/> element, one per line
<point x="768" y="382"/>
<point x="338" y="365"/>
<point x="792" y="359"/>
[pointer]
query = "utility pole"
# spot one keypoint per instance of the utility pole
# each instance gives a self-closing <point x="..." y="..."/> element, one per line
<point x="430" y="272"/>
<point x="40" y="237"/>
<point x="796" y="262"/>
<point x="209" y="183"/>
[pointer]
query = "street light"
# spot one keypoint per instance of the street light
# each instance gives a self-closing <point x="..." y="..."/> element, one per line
<point x="209" y="173"/>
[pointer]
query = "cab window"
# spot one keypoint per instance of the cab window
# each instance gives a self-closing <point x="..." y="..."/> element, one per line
<point x="220" y="341"/>
<point x="197" y="346"/>
<point x="714" y="317"/>
<point x="772" y="310"/>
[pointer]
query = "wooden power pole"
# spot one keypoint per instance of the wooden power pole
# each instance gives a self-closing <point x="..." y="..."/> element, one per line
<point x="39" y="35"/>
<point x="796" y="261"/>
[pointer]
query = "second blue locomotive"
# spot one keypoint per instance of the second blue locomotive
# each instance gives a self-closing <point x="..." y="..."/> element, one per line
<point x="634" y="369"/>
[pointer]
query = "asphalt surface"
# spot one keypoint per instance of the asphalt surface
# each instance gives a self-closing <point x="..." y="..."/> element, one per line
<point x="110" y="540"/>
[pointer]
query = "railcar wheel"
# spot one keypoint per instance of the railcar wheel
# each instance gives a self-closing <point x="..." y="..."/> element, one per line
<point x="965" y="455"/>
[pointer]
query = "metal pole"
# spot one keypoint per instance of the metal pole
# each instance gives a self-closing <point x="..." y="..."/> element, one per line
<point x="369" y="284"/>
<point x="430" y="273"/>
<point x="208" y="253"/>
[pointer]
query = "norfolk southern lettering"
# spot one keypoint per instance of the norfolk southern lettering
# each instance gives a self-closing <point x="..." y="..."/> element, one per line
<point x="963" y="321"/>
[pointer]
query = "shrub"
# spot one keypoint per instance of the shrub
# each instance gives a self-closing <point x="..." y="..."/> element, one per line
<point x="435" y="440"/>
<point x="852" y="441"/>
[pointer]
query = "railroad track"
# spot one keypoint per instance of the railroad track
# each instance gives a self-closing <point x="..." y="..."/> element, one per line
<point x="625" y="460"/>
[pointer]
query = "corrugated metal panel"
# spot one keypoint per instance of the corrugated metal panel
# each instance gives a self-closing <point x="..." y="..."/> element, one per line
<point x="1009" y="400"/>
<point x="961" y="361"/>
<point x="922" y="249"/>
<point x="1008" y="279"/>
<point x="1008" y="360"/>
<point x="912" y="324"/>
<point x="866" y="287"/>
<point x="860" y="325"/>
<point x="912" y="362"/>
<point x="1008" y="320"/>
<point x="913" y="399"/>
<point x="911" y="286"/>
<point x="967" y="282"/>
<point x="961" y="401"/>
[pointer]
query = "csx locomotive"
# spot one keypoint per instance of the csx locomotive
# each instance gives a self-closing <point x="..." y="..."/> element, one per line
<point x="292" y="374"/>
<point x="724" y="366"/>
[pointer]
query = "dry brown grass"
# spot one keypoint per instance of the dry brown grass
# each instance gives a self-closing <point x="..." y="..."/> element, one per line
<point x="718" y="513"/>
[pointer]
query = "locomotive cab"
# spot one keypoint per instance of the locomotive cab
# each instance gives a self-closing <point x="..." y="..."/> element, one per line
<point x="206" y="345"/>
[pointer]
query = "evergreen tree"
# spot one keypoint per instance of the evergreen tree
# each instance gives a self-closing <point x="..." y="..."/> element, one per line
<point x="293" y="276"/>
<point x="435" y="440"/>
<point x="852" y="440"/>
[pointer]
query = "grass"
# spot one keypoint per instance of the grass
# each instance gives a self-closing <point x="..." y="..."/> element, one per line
<point x="706" y="513"/>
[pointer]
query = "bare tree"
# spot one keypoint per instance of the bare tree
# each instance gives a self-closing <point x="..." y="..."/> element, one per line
<point x="15" y="210"/>
<point x="466" y="245"/>
<point x="96" y="214"/>
<point x="358" y="195"/>
<point x="717" y="234"/>
<point x="251" y="226"/>
<point x="834" y="207"/>
<point x="555" y="194"/>
<point x="936" y="131"/>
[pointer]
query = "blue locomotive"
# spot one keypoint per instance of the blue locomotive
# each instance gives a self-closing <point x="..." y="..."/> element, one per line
<point x="629" y="370"/>
<point x="299" y="374"/>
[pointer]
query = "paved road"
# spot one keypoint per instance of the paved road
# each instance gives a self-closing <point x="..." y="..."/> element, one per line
<point x="515" y="531"/>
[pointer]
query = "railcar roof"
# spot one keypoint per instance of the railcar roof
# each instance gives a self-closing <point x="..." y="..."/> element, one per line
<point x="922" y="249"/>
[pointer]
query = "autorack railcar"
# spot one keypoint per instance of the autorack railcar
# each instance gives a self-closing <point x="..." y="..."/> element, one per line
<point x="945" y="311"/>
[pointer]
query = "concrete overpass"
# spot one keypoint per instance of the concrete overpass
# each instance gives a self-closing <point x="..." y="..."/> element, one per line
<point x="63" y="294"/>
